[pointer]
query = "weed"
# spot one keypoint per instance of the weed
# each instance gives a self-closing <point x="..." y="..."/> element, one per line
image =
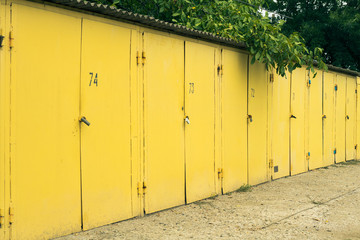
<point x="244" y="188"/>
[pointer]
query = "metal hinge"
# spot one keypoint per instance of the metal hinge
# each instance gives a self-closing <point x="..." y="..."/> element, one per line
<point x="11" y="215"/>
<point x="335" y="151"/>
<point x="271" y="163"/>
<point x="308" y="156"/>
<point x="222" y="69"/>
<point x="137" y="58"/>
<point x="141" y="188"/>
<point x="220" y="173"/>
<point x="11" y="39"/>
<point x="355" y="146"/>
<point x="143" y="58"/>
<point x="2" y="215"/>
<point x="336" y="87"/>
<point x="271" y="77"/>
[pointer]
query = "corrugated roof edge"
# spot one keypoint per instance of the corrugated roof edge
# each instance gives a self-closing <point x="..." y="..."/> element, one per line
<point x="162" y="25"/>
<point x="146" y="21"/>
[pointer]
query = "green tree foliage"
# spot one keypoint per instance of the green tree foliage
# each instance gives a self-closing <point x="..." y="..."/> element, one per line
<point x="235" y="20"/>
<point x="333" y="25"/>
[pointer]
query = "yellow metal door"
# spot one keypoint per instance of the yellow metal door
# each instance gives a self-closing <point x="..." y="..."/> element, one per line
<point x="199" y="125"/>
<point x="45" y="149"/>
<point x="257" y="124"/>
<point x="234" y="120"/>
<point x="340" y="92"/>
<point x="328" y="118"/>
<point x="298" y="160"/>
<point x="280" y="126"/>
<point x="358" y="120"/>
<point x="164" y="122"/>
<point x="105" y="143"/>
<point x="315" y="122"/>
<point x="350" y="119"/>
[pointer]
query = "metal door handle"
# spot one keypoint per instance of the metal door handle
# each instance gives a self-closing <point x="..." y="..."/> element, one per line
<point x="83" y="119"/>
<point x="293" y="116"/>
<point x="347" y="117"/>
<point x="187" y="120"/>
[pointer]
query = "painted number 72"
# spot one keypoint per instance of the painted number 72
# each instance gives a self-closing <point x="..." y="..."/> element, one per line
<point x="93" y="79"/>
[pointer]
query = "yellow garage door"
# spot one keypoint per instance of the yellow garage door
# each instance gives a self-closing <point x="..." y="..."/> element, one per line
<point x="315" y="122"/>
<point x="298" y="160"/>
<point x="105" y="143"/>
<point x="280" y="126"/>
<point x="199" y="125"/>
<point x="234" y="120"/>
<point x="340" y="116"/>
<point x="350" y="119"/>
<point x="328" y="118"/>
<point x="358" y="120"/>
<point x="257" y="124"/>
<point x="164" y="122"/>
<point x="45" y="149"/>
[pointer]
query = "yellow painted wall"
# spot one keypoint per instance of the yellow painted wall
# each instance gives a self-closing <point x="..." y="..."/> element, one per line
<point x="257" y="124"/>
<point x="358" y="119"/>
<point x="315" y="122"/>
<point x="298" y="160"/>
<point x="234" y="120"/>
<point x="280" y="126"/>
<point x="139" y="154"/>
<point x="328" y="118"/>
<point x="164" y="122"/>
<point x="340" y="115"/>
<point x="199" y="131"/>
<point x="350" y="120"/>
<point x="105" y="144"/>
<point x="45" y="149"/>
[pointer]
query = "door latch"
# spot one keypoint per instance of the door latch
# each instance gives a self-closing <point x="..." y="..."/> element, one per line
<point x="250" y="118"/>
<point x="187" y="120"/>
<point x="83" y="119"/>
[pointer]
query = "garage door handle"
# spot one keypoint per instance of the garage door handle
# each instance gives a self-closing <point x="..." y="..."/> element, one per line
<point x="187" y="120"/>
<point x="83" y="119"/>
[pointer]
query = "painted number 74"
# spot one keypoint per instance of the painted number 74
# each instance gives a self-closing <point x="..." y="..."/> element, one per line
<point x="93" y="79"/>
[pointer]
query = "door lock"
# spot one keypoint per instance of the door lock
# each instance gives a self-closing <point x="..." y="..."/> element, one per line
<point x="187" y="120"/>
<point x="83" y="119"/>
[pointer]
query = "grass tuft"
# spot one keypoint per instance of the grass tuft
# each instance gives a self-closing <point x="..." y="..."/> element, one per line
<point x="244" y="188"/>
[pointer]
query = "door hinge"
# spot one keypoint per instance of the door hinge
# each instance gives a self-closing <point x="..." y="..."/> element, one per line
<point x="308" y="156"/>
<point x="355" y="90"/>
<point x="141" y="188"/>
<point x="335" y="151"/>
<point x="222" y="69"/>
<point x="336" y="87"/>
<point x="271" y="77"/>
<point x="144" y="187"/>
<point x="137" y="58"/>
<point x="143" y="58"/>
<point x="355" y="146"/>
<point x="220" y="173"/>
<point x="2" y="216"/>
<point x="11" y="215"/>
<point x="11" y="39"/>
<point x="271" y="163"/>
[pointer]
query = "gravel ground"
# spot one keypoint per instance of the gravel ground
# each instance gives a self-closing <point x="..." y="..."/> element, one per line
<point x="321" y="204"/>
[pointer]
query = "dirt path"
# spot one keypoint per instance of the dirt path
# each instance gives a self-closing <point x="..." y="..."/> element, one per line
<point x="321" y="204"/>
